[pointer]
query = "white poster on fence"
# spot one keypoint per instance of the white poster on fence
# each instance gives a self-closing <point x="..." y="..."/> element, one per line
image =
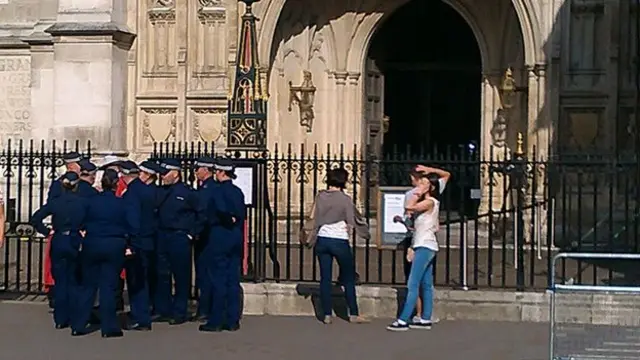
<point x="244" y="180"/>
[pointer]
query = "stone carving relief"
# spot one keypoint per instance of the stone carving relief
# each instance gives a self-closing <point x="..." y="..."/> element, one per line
<point x="582" y="128"/>
<point x="163" y="3"/>
<point x="499" y="129"/>
<point x="209" y="125"/>
<point x="210" y="41"/>
<point x="158" y="124"/>
<point x="16" y="116"/>
<point x="588" y="41"/>
<point x="160" y="48"/>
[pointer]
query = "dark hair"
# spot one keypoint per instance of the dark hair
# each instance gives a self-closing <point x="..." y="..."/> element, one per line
<point x="417" y="174"/>
<point x="109" y="180"/>
<point x="337" y="178"/>
<point x="69" y="181"/>
<point x="434" y="181"/>
<point x="69" y="185"/>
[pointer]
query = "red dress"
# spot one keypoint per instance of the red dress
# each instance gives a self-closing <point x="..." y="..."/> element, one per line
<point x="122" y="187"/>
<point x="47" y="274"/>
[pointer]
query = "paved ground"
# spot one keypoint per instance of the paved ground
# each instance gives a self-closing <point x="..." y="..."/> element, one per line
<point x="27" y="334"/>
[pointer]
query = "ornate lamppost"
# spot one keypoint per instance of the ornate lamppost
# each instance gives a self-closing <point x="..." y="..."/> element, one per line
<point x="247" y="117"/>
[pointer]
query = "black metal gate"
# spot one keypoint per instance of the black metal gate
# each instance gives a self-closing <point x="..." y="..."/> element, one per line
<point x="528" y="210"/>
<point x="27" y="170"/>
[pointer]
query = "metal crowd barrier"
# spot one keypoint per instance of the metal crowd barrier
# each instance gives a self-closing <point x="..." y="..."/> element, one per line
<point x="616" y="338"/>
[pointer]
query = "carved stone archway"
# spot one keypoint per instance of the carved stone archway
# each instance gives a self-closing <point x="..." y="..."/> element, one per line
<point x="529" y="24"/>
<point x="346" y="33"/>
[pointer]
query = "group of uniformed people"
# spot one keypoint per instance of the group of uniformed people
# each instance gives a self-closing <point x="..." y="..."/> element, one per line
<point x="148" y="229"/>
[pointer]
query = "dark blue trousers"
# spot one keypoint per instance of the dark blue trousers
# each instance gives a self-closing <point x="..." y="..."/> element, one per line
<point x="173" y="260"/>
<point x="224" y="261"/>
<point x="64" y="268"/>
<point x="326" y="250"/>
<point x="137" y="268"/>
<point x="102" y="260"/>
<point x="202" y="284"/>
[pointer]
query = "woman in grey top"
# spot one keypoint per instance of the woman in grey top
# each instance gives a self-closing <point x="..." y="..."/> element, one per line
<point x="334" y="216"/>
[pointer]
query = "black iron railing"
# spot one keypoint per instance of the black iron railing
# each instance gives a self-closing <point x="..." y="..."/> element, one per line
<point x="502" y="218"/>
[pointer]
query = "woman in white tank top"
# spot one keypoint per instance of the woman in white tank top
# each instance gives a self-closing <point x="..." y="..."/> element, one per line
<point x="424" y="245"/>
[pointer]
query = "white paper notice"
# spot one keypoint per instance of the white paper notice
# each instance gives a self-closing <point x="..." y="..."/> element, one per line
<point x="393" y="206"/>
<point x="244" y="180"/>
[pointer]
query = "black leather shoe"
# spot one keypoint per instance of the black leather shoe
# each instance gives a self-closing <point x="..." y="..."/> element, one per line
<point x="234" y="327"/>
<point x="113" y="334"/>
<point x="62" y="326"/>
<point x="177" y="321"/>
<point x="207" y="328"/>
<point x="200" y="318"/>
<point x="79" y="332"/>
<point x="161" y="319"/>
<point x="139" y="327"/>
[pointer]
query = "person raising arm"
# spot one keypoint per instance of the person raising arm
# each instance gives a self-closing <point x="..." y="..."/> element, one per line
<point x="443" y="175"/>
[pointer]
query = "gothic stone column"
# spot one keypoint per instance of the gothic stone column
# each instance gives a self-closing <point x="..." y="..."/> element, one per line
<point x="91" y="42"/>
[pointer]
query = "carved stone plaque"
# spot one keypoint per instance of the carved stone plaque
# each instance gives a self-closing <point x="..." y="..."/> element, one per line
<point x="158" y="124"/>
<point x="584" y="126"/>
<point x="15" y="97"/>
<point x="209" y="124"/>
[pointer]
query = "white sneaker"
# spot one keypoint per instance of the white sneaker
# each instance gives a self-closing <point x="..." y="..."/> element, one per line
<point x="420" y="324"/>
<point x="398" y="325"/>
<point x="416" y="319"/>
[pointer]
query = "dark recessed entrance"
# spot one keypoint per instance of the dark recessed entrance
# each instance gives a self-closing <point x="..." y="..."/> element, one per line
<point x="431" y="75"/>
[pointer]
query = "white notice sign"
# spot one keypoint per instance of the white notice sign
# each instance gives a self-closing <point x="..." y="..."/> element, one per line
<point x="244" y="180"/>
<point x="393" y="206"/>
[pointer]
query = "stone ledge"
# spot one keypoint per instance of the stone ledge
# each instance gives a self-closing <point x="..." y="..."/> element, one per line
<point x="12" y="42"/>
<point x="384" y="302"/>
<point x="119" y="32"/>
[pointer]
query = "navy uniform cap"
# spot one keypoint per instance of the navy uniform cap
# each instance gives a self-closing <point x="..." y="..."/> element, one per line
<point x="70" y="177"/>
<point x="149" y="167"/>
<point x="227" y="166"/>
<point x="110" y="161"/>
<point x="128" y="167"/>
<point x="87" y="166"/>
<point x="171" y="164"/>
<point x="206" y="162"/>
<point x="71" y="157"/>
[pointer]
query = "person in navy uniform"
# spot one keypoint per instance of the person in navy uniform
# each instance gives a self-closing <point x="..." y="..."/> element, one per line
<point x="71" y="160"/>
<point x="87" y="178"/>
<point x="67" y="211"/>
<point x="140" y="197"/>
<point x="109" y="222"/>
<point x="112" y="162"/>
<point x="206" y="182"/>
<point x="71" y="163"/>
<point x="226" y="214"/>
<point x="149" y="172"/>
<point x="178" y="224"/>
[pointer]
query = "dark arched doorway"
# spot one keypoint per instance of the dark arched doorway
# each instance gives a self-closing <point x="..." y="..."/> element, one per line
<point x="429" y="79"/>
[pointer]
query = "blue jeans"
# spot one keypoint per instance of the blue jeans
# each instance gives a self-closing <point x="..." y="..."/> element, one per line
<point x="326" y="250"/>
<point x="421" y="277"/>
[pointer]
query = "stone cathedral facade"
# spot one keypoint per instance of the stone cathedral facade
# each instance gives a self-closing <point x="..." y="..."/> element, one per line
<point x="127" y="73"/>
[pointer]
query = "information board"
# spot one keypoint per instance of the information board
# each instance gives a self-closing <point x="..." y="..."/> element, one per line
<point x="390" y="205"/>
<point x="244" y="180"/>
